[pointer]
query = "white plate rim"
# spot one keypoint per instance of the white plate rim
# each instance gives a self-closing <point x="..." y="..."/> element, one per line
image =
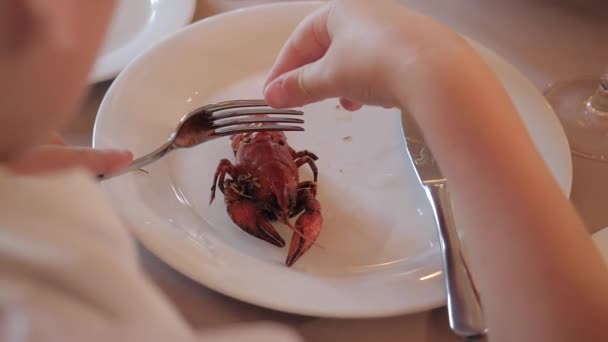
<point x="172" y="259"/>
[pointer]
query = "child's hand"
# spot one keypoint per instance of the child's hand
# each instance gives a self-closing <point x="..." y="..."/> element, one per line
<point x="55" y="156"/>
<point x="365" y="51"/>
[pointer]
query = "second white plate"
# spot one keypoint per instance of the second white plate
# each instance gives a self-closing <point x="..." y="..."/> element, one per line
<point x="377" y="254"/>
<point x="136" y="26"/>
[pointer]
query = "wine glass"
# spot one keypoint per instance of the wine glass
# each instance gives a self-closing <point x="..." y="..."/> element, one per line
<point x="582" y="106"/>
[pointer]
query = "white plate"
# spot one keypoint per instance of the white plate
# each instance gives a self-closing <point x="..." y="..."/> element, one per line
<point x="377" y="254"/>
<point x="137" y="25"/>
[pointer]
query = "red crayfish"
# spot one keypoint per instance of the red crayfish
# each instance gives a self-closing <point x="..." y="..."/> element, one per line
<point x="264" y="185"/>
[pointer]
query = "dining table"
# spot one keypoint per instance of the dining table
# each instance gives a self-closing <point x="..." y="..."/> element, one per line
<point x="547" y="40"/>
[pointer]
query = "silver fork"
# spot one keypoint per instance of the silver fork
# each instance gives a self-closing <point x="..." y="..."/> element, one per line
<point x="215" y="121"/>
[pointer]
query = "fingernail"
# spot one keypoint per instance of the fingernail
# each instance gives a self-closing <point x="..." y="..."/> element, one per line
<point x="275" y="93"/>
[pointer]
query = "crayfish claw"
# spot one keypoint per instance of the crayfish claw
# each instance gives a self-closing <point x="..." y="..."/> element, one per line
<point x="269" y="234"/>
<point x="246" y="215"/>
<point x="307" y="229"/>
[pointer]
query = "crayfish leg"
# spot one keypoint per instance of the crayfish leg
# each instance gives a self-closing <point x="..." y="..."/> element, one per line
<point x="223" y="168"/>
<point x="306" y="157"/>
<point x="301" y="200"/>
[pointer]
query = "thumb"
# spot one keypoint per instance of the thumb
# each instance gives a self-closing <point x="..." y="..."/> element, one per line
<point x="306" y="84"/>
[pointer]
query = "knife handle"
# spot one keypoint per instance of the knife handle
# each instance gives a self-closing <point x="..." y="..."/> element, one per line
<point x="464" y="307"/>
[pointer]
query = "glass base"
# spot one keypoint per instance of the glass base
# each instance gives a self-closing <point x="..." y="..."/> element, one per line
<point x="586" y="130"/>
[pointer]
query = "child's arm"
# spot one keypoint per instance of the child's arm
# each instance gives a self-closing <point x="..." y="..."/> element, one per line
<point x="539" y="275"/>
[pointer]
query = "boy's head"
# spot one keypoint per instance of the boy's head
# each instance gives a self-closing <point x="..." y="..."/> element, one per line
<point x="46" y="51"/>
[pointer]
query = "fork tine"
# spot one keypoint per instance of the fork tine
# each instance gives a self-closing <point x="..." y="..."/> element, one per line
<point x="254" y="120"/>
<point x="235" y="104"/>
<point x="253" y="129"/>
<point x="256" y="111"/>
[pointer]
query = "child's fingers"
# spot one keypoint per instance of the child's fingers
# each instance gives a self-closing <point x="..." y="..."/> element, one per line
<point x="308" y="43"/>
<point x="301" y="86"/>
<point x="96" y="161"/>
<point x="52" y="158"/>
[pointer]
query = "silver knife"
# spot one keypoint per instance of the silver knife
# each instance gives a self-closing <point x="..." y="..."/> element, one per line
<point x="464" y="307"/>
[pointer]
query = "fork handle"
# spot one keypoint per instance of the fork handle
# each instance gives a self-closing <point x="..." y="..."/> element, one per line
<point x="142" y="161"/>
<point x="464" y="307"/>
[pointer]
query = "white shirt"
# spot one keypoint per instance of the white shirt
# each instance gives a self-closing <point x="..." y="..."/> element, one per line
<point x="68" y="271"/>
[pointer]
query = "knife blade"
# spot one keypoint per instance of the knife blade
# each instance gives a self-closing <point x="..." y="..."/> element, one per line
<point x="463" y="303"/>
<point x="426" y="167"/>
